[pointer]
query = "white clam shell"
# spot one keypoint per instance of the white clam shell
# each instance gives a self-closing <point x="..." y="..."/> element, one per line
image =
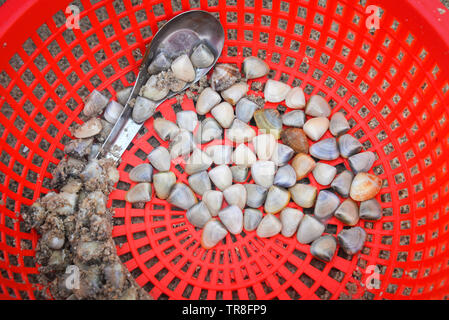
<point x="183" y="69"/>
<point x="165" y="129"/>
<point x="285" y="177"/>
<point x="209" y="130"/>
<point x="235" y="195"/>
<point x="304" y="195"/>
<point x="198" y="161"/>
<point x="95" y="103"/>
<point x="324" y="247"/>
<point x="160" y="158"/>
<point x="235" y="92"/>
<point x="295" y="98"/>
<point x="348" y="212"/>
<point x="282" y="154"/>
<point x="213" y="232"/>
<point x="182" y="144"/>
<point x="243" y="156"/>
<point x="154" y="91"/>
<point x="317" y="106"/>
<point x="202" y="57"/>
<point x="224" y="114"/>
<point x="198" y="215"/>
<point x="295" y="118"/>
<point x="240" y="132"/>
<point x="326" y="204"/>
<point x="254" y="67"/>
<point x="251" y="219"/>
<point x="342" y="183"/>
<point x="232" y="218"/>
<point x="213" y="200"/>
<point x="182" y="196"/>
<point x="200" y="182"/>
<point x="239" y="173"/>
<point x="264" y="145"/>
<point x="207" y="99"/>
<point x="309" y="229"/>
<point x="290" y="219"/>
<point x="263" y="172"/>
<point x="269" y="226"/>
<point x="55" y="242"/>
<point x="221" y="176"/>
<point x="142" y="173"/>
<point x="245" y="108"/>
<point x="143" y="109"/>
<point x="275" y="91"/>
<point x="187" y="120"/>
<point x="163" y="182"/>
<point x="88" y="129"/>
<point x="315" y="128"/>
<point x="256" y="195"/>
<point x="362" y="162"/>
<point x="338" y="124"/>
<point x="139" y="193"/>
<point x="277" y="199"/>
<point x="220" y="154"/>
<point x="324" y="173"/>
<point x="113" y="111"/>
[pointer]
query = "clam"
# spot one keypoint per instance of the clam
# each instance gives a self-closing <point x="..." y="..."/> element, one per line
<point x="182" y="144"/>
<point x="232" y="218"/>
<point x="325" y="149"/>
<point x="235" y="195"/>
<point x="213" y="199"/>
<point x="183" y="69"/>
<point x="295" y="118"/>
<point x="153" y="90"/>
<point x="105" y="131"/>
<point x="163" y="182"/>
<point x="54" y="242"/>
<point x="253" y="68"/>
<point x="240" y="132"/>
<point x="362" y="162"/>
<point x="295" y="98"/>
<point x="296" y="139"/>
<point x="324" y="173"/>
<point x="324" y="248"/>
<point x="182" y="196"/>
<point x="213" y="232"/>
<point x="187" y="120"/>
<point x="235" y="92"/>
<point x="139" y="193"/>
<point x="88" y="129"/>
<point x="263" y="173"/>
<point x="303" y="164"/>
<point x="365" y="186"/>
<point x="142" y="173"/>
<point x="269" y="121"/>
<point x="264" y="146"/>
<point x="207" y="99"/>
<point x="269" y="226"/>
<point x="285" y="177"/>
<point x="304" y="195"/>
<point x="202" y="57"/>
<point x="224" y="76"/>
<point x="245" y="108"/>
<point x="208" y="130"/>
<point x="309" y="229"/>
<point x="220" y="154"/>
<point x="342" y="183"/>
<point x="290" y="219"/>
<point x="91" y="171"/>
<point x="143" y="109"/>
<point x="275" y="91"/>
<point x="160" y="63"/>
<point x="251" y="219"/>
<point x="277" y="199"/>
<point x="221" y="176"/>
<point x="123" y="95"/>
<point x="243" y="156"/>
<point x="95" y="104"/>
<point x="200" y="182"/>
<point x="315" y="128"/>
<point x="198" y="215"/>
<point x="317" y="106"/>
<point x="282" y="154"/>
<point x="352" y="240"/>
<point x="165" y="129"/>
<point x="224" y="114"/>
<point x="338" y="124"/>
<point x="348" y="145"/>
<point x="255" y="195"/>
<point x="239" y="173"/>
<point x="198" y="161"/>
<point x="79" y="148"/>
<point x="160" y="158"/>
<point x="370" y="210"/>
<point x="326" y="204"/>
<point x="348" y="212"/>
<point x="113" y="111"/>
<point x="175" y="85"/>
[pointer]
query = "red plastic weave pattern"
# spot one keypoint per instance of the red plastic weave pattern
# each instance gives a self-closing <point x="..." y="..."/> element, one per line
<point x="392" y="84"/>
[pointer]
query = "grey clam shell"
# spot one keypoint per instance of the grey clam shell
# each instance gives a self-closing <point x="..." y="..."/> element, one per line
<point x="160" y="158"/>
<point x="198" y="161"/>
<point x="348" y="145"/>
<point x="244" y="110"/>
<point x="326" y="204"/>
<point x="317" y="106"/>
<point x="370" y="210"/>
<point x="324" y="173"/>
<point x="362" y="162"/>
<point x="182" y="196"/>
<point x="324" y="247"/>
<point x="200" y="182"/>
<point x="123" y="95"/>
<point x="290" y="219"/>
<point x="208" y="130"/>
<point x="232" y="218"/>
<point x="295" y="118"/>
<point x="251" y="219"/>
<point x="338" y="124"/>
<point x="141" y="173"/>
<point x="202" y="57"/>
<point x="95" y="103"/>
<point x="282" y="154"/>
<point x="348" y="212"/>
<point x="214" y="231"/>
<point x="285" y="177"/>
<point x="309" y="229"/>
<point x="198" y="215"/>
<point x="256" y="195"/>
<point x="187" y="120"/>
<point x="352" y="240"/>
<point x="113" y="111"/>
<point x="182" y="144"/>
<point x="163" y="182"/>
<point x="88" y="129"/>
<point x="236" y="195"/>
<point x="165" y="129"/>
<point x="239" y="173"/>
<point x="139" y="193"/>
<point x="213" y="200"/>
<point x="269" y="226"/>
<point x="160" y="63"/>
<point x="326" y="149"/>
<point x="143" y="109"/>
<point x="342" y="183"/>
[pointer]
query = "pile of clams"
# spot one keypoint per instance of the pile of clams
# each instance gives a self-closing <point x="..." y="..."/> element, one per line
<point x="250" y="168"/>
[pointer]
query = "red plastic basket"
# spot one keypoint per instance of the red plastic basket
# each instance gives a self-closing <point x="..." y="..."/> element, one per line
<point x="392" y="83"/>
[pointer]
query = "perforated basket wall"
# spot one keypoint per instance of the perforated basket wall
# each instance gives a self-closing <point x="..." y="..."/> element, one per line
<point x="392" y="83"/>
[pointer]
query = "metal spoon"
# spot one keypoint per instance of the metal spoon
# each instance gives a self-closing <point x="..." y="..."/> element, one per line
<point x="178" y="36"/>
